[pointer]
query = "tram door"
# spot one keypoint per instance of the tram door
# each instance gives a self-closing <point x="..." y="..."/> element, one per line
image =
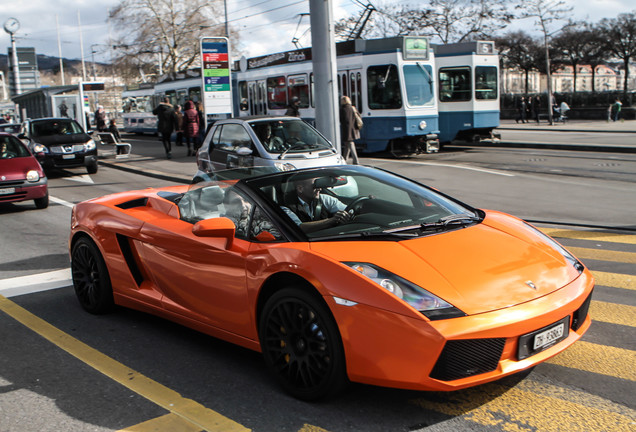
<point x="257" y="94"/>
<point x="350" y="84"/>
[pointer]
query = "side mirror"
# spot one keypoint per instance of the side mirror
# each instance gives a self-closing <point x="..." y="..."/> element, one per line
<point x="244" y="151"/>
<point x="22" y="136"/>
<point x="220" y="227"/>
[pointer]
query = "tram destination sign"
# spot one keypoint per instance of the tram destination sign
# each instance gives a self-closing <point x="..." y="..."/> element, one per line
<point x="415" y="48"/>
<point x="215" y="75"/>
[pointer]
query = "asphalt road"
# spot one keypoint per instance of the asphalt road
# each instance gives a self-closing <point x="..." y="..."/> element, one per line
<point x="63" y="369"/>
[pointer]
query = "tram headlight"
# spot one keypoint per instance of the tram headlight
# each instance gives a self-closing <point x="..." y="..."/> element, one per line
<point x="422" y="125"/>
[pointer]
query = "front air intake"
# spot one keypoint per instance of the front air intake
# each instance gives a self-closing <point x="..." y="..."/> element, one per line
<point x="468" y="357"/>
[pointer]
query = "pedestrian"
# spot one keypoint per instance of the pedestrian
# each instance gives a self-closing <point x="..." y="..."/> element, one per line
<point x="112" y="128"/>
<point x="191" y="126"/>
<point x="616" y="109"/>
<point x="179" y="126"/>
<point x="536" y="107"/>
<point x="293" y="109"/>
<point x="201" y="135"/>
<point x="100" y="119"/>
<point x="166" y="121"/>
<point x="348" y="130"/>
<point x="521" y="110"/>
<point x="563" y="111"/>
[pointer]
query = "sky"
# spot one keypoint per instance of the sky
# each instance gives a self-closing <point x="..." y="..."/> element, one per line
<point x="265" y="26"/>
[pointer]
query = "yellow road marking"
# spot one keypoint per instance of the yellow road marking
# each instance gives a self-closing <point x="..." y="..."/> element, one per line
<point x="590" y="235"/>
<point x="189" y="410"/>
<point x="532" y="406"/>
<point x="167" y="423"/>
<point x="613" y="313"/>
<point x="310" y="428"/>
<point x="599" y="359"/>
<point x="615" y="280"/>
<point x="603" y="255"/>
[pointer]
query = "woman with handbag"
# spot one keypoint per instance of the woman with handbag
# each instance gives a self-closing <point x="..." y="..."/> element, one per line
<point x="350" y="125"/>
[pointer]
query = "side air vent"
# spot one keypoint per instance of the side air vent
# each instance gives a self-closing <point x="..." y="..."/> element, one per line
<point x="127" y="252"/>
<point x="139" y="202"/>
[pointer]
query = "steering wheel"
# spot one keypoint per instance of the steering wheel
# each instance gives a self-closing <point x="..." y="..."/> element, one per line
<point x="356" y="205"/>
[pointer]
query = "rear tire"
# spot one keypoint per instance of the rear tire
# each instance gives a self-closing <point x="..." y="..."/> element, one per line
<point x="90" y="277"/>
<point x="92" y="167"/>
<point x="43" y="202"/>
<point x="301" y="345"/>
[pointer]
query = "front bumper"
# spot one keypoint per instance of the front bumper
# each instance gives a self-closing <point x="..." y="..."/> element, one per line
<point x="387" y="349"/>
<point x="22" y="190"/>
<point x="68" y="160"/>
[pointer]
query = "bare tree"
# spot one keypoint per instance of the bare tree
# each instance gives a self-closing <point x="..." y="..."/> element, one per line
<point x="443" y="21"/>
<point x="518" y="50"/>
<point x="545" y="13"/>
<point x="571" y="46"/>
<point x="164" y="32"/>
<point x="595" y="52"/>
<point x="620" y="36"/>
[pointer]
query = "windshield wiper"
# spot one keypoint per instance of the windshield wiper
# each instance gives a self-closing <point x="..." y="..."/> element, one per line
<point x="366" y="235"/>
<point x="454" y="219"/>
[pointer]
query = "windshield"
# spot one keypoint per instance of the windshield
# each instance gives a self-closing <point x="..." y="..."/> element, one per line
<point x="10" y="148"/>
<point x="378" y="203"/>
<point x="55" y="127"/>
<point x="288" y="136"/>
<point x="418" y="80"/>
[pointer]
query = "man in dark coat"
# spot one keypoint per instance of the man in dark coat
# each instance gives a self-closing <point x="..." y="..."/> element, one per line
<point x="166" y="122"/>
<point x="293" y="109"/>
<point x="348" y="131"/>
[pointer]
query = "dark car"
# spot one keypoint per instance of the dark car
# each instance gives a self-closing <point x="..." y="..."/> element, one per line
<point x="60" y="143"/>
<point x="21" y="176"/>
<point x="12" y="128"/>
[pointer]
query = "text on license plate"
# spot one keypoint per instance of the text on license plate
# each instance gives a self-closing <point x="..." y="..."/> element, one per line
<point x="68" y="156"/>
<point x="7" y="191"/>
<point x="547" y="337"/>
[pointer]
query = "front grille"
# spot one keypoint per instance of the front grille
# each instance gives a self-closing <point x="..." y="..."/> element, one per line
<point x="581" y="313"/>
<point x="12" y="197"/>
<point x="67" y="148"/>
<point x="464" y="358"/>
<point x="11" y="183"/>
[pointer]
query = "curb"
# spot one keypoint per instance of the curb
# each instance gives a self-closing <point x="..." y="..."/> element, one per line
<point x="147" y="172"/>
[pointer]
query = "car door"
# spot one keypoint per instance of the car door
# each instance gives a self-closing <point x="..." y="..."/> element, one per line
<point x="234" y="148"/>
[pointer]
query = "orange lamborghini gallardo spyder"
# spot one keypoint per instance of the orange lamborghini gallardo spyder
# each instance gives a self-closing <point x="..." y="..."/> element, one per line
<point x="336" y="274"/>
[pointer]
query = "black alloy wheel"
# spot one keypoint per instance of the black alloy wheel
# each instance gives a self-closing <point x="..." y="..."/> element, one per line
<point x="302" y="345"/>
<point x="90" y="277"/>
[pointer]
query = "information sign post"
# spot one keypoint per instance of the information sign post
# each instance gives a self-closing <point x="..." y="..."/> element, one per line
<point x="215" y="74"/>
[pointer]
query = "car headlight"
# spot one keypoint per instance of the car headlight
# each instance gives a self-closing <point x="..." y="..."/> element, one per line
<point x="40" y="148"/>
<point x="33" y="176"/>
<point x="284" y="166"/>
<point x="90" y="145"/>
<point x="431" y="306"/>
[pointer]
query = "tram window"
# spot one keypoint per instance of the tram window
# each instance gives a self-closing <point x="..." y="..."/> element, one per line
<point x="172" y="96"/>
<point x="486" y="82"/>
<point x="383" y="87"/>
<point x="298" y="87"/>
<point x="242" y="88"/>
<point x="359" y="91"/>
<point x="276" y="93"/>
<point x="418" y="80"/>
<point x="454" y="84"/>
<point x="194" y="93"/>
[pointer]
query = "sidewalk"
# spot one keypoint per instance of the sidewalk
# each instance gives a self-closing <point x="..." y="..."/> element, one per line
<point x="600" y="126"/>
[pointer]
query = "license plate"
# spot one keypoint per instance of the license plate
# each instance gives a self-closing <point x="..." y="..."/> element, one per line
<point x="549" y="336"/>
<point x="7" y="191"/>
<point x="68" y="156"/>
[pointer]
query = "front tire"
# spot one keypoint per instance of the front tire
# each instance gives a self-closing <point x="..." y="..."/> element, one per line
<point x="91" y="167"/>
<point x="301" y="345"/>
<point x="43" y="202"/>
<point x="90" y="277"/>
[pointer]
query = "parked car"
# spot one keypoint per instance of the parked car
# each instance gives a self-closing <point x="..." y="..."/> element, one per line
<point x="12" y="128"/>
<point x="21" y="176"/>
<point x="60" y="143"/>
<point x="386" y="282"/>
<point x="284" y="142"/>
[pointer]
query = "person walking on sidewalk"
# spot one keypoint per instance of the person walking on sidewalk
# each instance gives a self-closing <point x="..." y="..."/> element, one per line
<point x="616" y="109"/>
<point x="522" y="110"/>
<point x="166" y="121"/>
<point x="536" y="108"/>
<point x="191" y="127"/>
<point x="348" y="131"/>
<point x="179" y="126"/>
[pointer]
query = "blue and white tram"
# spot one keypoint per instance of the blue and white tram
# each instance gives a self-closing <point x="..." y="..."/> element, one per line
<point x="138" y="102"/>
<point x="390" y="81"/>
<point x="468" y="77"/>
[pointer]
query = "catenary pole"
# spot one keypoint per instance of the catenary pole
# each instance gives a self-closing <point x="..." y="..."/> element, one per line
<point x="323" y="53"/>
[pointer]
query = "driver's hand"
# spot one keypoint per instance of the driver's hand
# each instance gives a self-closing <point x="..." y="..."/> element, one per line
<point x="341" y="216"/>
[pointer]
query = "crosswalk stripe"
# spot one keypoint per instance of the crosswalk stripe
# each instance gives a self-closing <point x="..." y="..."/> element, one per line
<point x="166" y="423"/>
<point x="613" y="313"/>
<point x="599" y="359"/>
<point x="530" y="405"/>
<point x="590" y="235"/>
<point x="615" y="280"/>
<point x="603" y="255"/>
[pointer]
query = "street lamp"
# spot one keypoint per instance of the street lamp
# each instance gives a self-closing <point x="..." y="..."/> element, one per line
<point x="11" y="26"/>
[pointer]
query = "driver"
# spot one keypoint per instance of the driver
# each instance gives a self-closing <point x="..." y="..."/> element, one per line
<point x="313" y="211"/>
<point x="271" y="142"/>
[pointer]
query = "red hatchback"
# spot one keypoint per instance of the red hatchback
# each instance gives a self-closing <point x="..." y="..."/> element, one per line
<point x="21" y="176"/>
